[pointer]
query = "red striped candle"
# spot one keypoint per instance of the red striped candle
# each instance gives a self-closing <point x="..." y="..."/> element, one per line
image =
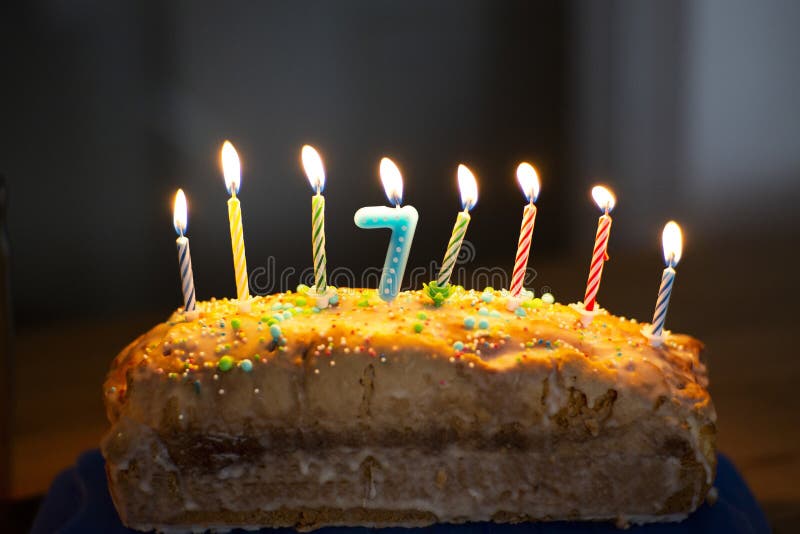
<point x="529" y="181"/>
<point x="605" y="201"/>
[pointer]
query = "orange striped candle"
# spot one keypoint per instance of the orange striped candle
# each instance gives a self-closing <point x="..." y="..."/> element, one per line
<point x="605" y="201"/>
<point x="529" y="181"/>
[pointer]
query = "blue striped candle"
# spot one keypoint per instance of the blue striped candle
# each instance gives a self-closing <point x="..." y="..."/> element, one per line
<point x="179" y="220"/>
<point x="673" y="247"/>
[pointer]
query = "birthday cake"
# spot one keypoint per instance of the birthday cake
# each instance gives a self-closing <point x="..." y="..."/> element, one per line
<point x="279" y="413"/>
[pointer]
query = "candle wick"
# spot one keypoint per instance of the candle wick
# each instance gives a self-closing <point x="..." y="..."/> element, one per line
<point x="180" y="231"/>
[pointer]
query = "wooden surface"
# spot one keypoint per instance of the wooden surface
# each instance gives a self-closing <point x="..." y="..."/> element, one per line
<point x="739" y="308"/>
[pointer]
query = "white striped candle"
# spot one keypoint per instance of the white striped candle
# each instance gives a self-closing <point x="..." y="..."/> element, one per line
<point x="231" y="169"/>
<point x="672" y="241"/>
<point x="605" y="201"/>
<point x="469" y="197"/>
<point x="180" y="221"/>
<point x="529" y="181"/>
<point x="312" y="163"/>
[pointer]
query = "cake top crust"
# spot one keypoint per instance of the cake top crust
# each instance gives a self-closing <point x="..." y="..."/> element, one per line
<point x="477" y="330"/>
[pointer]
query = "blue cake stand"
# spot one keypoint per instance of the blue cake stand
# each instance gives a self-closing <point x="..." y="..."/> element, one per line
<point x="79" y="503"/>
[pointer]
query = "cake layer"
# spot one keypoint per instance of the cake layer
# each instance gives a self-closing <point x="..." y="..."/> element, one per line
<point x="162" y="485"/>
<point x="532" y="391"/>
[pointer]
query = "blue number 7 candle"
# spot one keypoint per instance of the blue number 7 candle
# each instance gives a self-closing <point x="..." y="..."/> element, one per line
<point x="179" y="220"/>
<point x="672" y="241"/>
<point x="402" y="221"/>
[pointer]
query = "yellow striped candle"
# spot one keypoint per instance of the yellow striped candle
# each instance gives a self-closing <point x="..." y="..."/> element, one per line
<point x="231" y="169"/>
<point x="469" y="197"/>
<point x="312" y="164"/>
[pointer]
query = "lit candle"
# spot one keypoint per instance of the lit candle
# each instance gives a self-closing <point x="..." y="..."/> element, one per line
<point x="402" y="221"/>
<point x="469" y="197"/>
<point x="672" y="241"/>
<point x="232" y="171"/>
<point x="312" y="164"/>
<point x="180" y="221"/>
<point x="529" y="181"/>
<point x="605" y="201"/>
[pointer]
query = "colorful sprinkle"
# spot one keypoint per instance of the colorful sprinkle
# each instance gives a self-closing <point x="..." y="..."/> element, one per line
<point x="487" y="297"/>
<point x="483" y="311"/>
<point x="458" y="345"/>
<point x="422" y="316"/>
<point x="225" y="363"/>
<point x="418" y="327"/>
<point x="246" y="365"/>
<point x="483" y="324"/>
<point x="236" y="324"/>
<point x="275" y="330"/>
<point x="520" y="312"/>
<point x="469" y="323"/>
<point x="548" y="298"/>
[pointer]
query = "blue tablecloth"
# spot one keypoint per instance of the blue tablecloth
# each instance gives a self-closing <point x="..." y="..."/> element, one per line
<point x="78" y="503"/>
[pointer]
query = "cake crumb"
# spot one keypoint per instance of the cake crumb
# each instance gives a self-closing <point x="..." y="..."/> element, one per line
<point x="622" y="523"/>
<point x="441" y="478"/>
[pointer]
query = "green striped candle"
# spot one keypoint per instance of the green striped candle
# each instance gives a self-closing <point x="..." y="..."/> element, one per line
<point x="318" y="242"/>
<point x="312" y="163"/>
<point x="469" y="197"/>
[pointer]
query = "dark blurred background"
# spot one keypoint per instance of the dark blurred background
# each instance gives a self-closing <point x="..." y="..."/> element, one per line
<point x="687" y="109"/>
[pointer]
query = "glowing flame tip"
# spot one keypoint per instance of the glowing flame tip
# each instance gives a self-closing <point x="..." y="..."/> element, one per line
<point x="392" y="181"/>
<point x="528" y="180"/>
<point x="312" y="163"/>
<point x="604" y="198"/>
<point x="468" y="187"/>
<point x="672" y="241"/>
<point x="179" y="213"/>
<point x="231" y="168"/>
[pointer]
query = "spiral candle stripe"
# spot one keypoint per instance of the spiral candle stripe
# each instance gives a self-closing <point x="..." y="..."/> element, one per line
<point x="187" y="277"/>
<point x="599" y="256"/>
<point x="237" y="245"/>
<point x="318" y="241"/>
<point x="664" y="293"/>
<point x="453" y="247"/>
<point x="523" y="249"/>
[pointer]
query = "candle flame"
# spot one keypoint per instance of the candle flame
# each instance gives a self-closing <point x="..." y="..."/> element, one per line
<point x="468" y="187"/>
<point x="528" y="180"/>
<point x="672" y="241"/>
<point x="315" y="171"/>
<point x="179" y="213"/>
<point x="604" y="198"/>
<point x="392" y="181"/>
<point x="231" y="168"/>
